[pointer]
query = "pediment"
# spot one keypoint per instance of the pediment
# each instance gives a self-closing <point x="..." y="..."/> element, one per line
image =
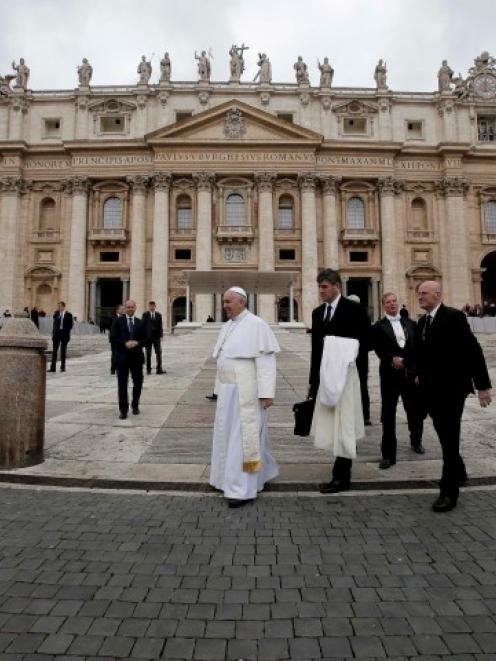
<point x="236" y="122"/>
<point x="355" y="107"/>
<point x="111" y="106"/>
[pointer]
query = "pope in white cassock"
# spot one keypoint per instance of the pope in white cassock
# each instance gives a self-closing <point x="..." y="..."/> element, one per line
<point x="246" y="376"/>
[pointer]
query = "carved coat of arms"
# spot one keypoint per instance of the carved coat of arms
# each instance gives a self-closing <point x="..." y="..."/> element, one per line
<point x="234" y="124"/>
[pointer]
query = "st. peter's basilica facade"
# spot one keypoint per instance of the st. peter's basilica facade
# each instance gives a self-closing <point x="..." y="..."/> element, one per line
<point x="110" y="192"/>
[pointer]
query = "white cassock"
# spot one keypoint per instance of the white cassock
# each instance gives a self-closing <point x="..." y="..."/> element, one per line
<point x="246" y="372"/>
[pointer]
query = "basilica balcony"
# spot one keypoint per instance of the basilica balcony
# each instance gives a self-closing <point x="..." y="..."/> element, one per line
<point x="364" y="236"/>
<point x="45" y="236"/>
<point x="235" y="233"/>
<point x="108" y="237"/>
<point x="420" y="236"/>
<point x="488" y="238"/>
<point x="183" y="232"/>
<point x="285" y="232"/>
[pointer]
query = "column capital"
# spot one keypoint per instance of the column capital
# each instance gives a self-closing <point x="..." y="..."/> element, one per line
<point x="452" y="186"/>
<point x="265" y="181"/>
<point x="307" y="181"/>
<point x="138" y="183"/>
<point x="12" y="185"/>
<point x="204" y="180"/>
<point x="329" y="184"/>
<point x="389" y="186"/>
<point x="161" y="181"/>
<point x="77" y="185"/>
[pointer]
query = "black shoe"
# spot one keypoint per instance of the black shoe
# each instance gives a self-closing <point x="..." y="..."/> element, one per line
<point x="368" y="422"/>
<point x="333" y="487"/>
<point x="62" y="369"/>
<point x="387" y="463"/>
<point x="161" y="371"/>
<point x="136" y="410"/>
<point x="419" y="449"/>
<point x="148" y="371"/>
<point x="52" y="369"/>
<point x="112" y="371"/>
<point x="212" y="398"/>
<point x="122" y="416"/>
<point x="236" y="502"/>
<point x="444" y="504"/>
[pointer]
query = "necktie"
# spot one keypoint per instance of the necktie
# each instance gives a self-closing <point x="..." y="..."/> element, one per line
<point x="62" y="320"/>
<point x="328" y="314"/>
<point x="427" y="326"/>
<point x="130" y="326"/>
<point x="153" y="316"/>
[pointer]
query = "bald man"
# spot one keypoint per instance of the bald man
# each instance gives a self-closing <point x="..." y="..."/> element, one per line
<point x="449" y="365"/>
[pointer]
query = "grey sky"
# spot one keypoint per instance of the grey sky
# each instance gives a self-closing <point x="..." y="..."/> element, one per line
<point x="412" y="36"/>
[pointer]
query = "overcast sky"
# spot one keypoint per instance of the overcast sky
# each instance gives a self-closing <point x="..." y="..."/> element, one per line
<point x="413" y="36"/>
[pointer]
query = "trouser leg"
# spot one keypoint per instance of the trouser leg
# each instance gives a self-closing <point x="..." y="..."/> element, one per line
<point x="55" y="350"/>
<point x="414" y="413"/>
<point x="158" y="353"/>
<point x="389" y="403"/>
<point x="137" y="376"/>
<point x="447" y="423"/>
<point x="148" y="351"/>
<point x="112" y="357"/>
<point x="341" y="471"/>
<point x="63" y="353"/>
<point x="122" y="380"/>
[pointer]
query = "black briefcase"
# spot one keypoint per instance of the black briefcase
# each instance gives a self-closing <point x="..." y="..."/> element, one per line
<point x="303" y="414"/>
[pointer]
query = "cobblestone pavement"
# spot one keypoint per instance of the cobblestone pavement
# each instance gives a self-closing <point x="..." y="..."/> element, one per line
<point x="90" y="575"/>
<point x="170" y="441"/>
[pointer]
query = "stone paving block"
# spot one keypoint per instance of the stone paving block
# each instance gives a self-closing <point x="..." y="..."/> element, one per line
<point x="19" y="623"/>
<point x="25" y="643"/>
<point x="367" y="646"/>
<point x="304" y="648"/>
<point x="249" y="629"/>
<point x="486" y="641"/>
<point x="242" y="649"/>
<point x="398" y="646"/>
<point x="148" y="648"/>
<point x="190" y="629"/>
<point x="76" y="625"/>
<point x="429" y="644"/>
<point x="56" y="644"/>
<point x="210" y="649"/>
<point x="86" y="645"/>
<point x="336" y="647"/>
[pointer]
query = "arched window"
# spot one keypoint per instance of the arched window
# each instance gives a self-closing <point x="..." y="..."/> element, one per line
<point x="419" y="214"/>
<point x="184" y="213"/>
<point x="112" y="213"/>
<point x="490" y="217"/>
<point x="47" y="214"/>
<point x="235" y="210"/>
<point x="355" y="214"/>
<point x="285" y="219"/>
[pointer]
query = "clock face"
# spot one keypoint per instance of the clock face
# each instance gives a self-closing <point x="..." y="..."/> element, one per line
<point x="485" y="86"/>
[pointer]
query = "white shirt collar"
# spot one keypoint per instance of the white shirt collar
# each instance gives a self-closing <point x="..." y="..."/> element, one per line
<point x="391" y="318"/>
<point x="433" y="313"/>
<point x="334" y="302"/>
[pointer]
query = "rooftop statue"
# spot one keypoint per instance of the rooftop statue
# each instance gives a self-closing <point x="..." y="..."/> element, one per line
<point x="380" y="75"/>
<point x="22" y="71"/>
<point x="203" y="66"/>
<point x="144" y="71"/>
<point x="85" y="72"/>
<point x="301" y="70"/>
<point x="264" y="72"/>
<point x="165" y="69"/>
<point x="326" y="73"/>
<point x="444" y="77"/>
<point x="237" y="62"/>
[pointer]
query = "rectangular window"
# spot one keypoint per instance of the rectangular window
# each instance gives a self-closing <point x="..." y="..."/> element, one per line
<point x="287" y="254"/>
<point x="112" y="124"/>
<point x="52" y="128"/>
<point x="113" y="256"/>
<point x="486" y="125"/>
<point x="286" y="116"/>
<point x="414" y="129"/>
<point x="359" y="256"/>
<point x="182" y="253"/>
<point x="184" y="219"/>
<point x="353" y="125"/>
<point x="183" y="114"/>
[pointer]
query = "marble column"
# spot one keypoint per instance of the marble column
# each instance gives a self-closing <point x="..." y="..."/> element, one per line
<point x="92" y="300"/>
<point x="309" y="256"/>
<point x="203" y="181"/>
<point x="125" y="289"/>
<point x="459" y="273"/>
<point x="138" y="242"/>
<point x="386" y="188"/>
<point x="160" y="249"/>
<point x="330" y="222"/>
<point x="19" y="108"/>
<point x="76" y="299"/>
<point x="442" y="229"/>
<point x="10" y="189"/>
<point x="265" y="183"/>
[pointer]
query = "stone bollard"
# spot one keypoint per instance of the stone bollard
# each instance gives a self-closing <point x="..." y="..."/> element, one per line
<point x="22" y="393"/>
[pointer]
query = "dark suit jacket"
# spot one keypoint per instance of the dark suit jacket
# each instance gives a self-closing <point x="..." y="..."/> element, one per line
<point x="64" y="333"/>
<point x="348" y="320"/>
<point x="386" y="346"/>
<point x="450" y="359"/>
<point x="155" y="328"/>
<point x="119" y="335"/>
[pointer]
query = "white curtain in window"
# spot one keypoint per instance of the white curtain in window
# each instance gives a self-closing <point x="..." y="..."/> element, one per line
<point x="355" y="214"/>
<point x="235" y="210"/>
<point x="112" y="213"/>
<point x="490" y="217"/>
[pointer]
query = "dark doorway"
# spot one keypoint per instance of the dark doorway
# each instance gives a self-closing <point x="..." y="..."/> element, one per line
<point x="283" y="309"/>
<point x="109" y="296"/>
<point x="361" y="288"/>
<point x="488" y="285"/>
<point x="179" y="310"/>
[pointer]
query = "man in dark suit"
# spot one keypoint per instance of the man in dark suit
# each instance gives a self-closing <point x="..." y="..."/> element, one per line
<point x="129" y="335"/>
<point x="153" y="321"/>
<point x="449" y="363"/>
<point x="393" y="339"/>
<point x="343" y="318"/>
<point x="61" y="335"/>
<point x="119" y="311"/>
